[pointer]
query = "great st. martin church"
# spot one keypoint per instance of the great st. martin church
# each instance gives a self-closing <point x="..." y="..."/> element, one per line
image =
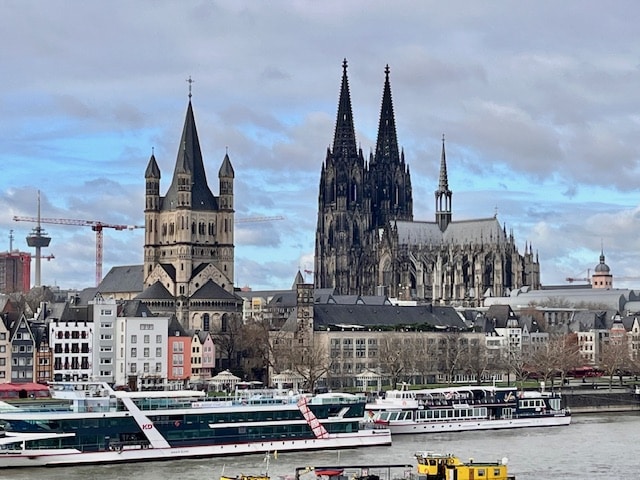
<point x="367" y="241"/>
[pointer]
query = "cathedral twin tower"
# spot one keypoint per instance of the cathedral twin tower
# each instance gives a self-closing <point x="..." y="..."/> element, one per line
<point x="368" y="243"/>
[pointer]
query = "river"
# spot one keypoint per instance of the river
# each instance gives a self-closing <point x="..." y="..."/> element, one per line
<point x="592" y="447"/>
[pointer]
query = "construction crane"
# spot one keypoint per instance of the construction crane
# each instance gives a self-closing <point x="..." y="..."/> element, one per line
<point x="257" y="219"/>
<point x="577" y="279"/>
<point x="95" y="225"/>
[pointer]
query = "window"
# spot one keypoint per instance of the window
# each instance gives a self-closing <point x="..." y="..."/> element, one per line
<point x="158" y="351"/>
<point x="146" y="352"/>
<point x="134" y="352"/>
<point x="134" y="339"/>
<point x="106" y="325"/>
<point x="134" y="368"/>
<point x="178" y="347"/>
<point x="146" y="339"/>
<point x="158" y="338"/>
<point x="105" y="312"/>
<point x="107" y="337"/>
<point x="146" y="326"/>
<point x="158" y="368"/>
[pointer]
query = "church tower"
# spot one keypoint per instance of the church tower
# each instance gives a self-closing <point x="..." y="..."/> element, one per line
<point x="390" y="177"/>
<point x="344" y="208"/>
<point x="189" y="233"/>
<point x="443" y="195"/>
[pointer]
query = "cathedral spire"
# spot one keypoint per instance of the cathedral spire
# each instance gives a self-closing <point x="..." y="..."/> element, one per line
<point x="344" y="140"/>
<point x="443" y="194"/>
<point x="443" y="182"/>
<point x="189" y="163"/>
<point x="387" y="144"/>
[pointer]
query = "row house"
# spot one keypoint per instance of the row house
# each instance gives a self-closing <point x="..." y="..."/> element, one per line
<point x="141" y="351"/>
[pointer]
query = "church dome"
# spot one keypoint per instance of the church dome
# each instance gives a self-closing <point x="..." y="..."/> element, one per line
<point x="602" y="267"/>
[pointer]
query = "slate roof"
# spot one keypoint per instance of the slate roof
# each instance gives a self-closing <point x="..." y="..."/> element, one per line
<point x="487" y="230"/>
<point x="440" y="317"/>
<point x="189" y="162"/>
<point x="157" y="291"/>
<point x="134" y="308"/>
<point x="212" y="290"/>
<point x="127" y="278"/>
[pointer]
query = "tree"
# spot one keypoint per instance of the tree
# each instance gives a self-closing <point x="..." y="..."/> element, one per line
<point x="311" y="362"/>
<point x="614" y="358"/>
<point x="475" y="359"/>
<point x="560" y="355"/>
<point x="393" y="357"/>
<point x="450" y="355"/>
<point x="229" y="340"/>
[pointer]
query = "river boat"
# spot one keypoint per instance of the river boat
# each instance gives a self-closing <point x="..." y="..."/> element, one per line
<point x="463" y="408"/>
<point x="357" y="472"/>
<point x="436" y="466"/>
<point x="259" y="476"/>
<point x="99" y="425"/>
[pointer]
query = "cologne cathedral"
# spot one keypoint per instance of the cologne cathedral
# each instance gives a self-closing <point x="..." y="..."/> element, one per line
<point x="368" y="243"/>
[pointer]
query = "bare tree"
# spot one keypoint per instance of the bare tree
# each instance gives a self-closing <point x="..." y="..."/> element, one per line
<point x="614" y="358"/>
<point x="311" y="362"/>
<point x="393" y="357"/>
<point x="475" y="358"/>
<point x="450" y="355"/>
<point x="560" y="355"/>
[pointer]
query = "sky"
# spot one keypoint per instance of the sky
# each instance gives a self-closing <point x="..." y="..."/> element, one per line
<point x="539" y="102"/>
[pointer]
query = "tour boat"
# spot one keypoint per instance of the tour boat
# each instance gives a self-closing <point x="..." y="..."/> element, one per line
<point x="100" y="425"/>
<point x="462" y="408"/>
<point x="436" y="466"/>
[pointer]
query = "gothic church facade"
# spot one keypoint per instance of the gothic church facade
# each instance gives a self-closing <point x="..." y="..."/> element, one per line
<point x="367" y="241"/>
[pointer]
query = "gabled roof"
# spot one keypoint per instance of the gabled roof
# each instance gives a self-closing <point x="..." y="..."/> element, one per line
<point x="127" y="278"/>
<point x="499" y="315"/>
<point x="134" y="308"/>
<point x="212" y="290"/>
<point x="176" y="329"/>
<point x="157" y="291"/>
<point x="480" y="231"/>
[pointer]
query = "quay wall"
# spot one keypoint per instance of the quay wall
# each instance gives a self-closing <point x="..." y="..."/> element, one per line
<point x="601" y="400"/>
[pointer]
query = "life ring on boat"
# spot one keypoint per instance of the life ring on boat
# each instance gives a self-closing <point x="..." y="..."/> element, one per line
<point x="404" y="403"/>
<point x="176" y="423"/>
<point x="450" y="461"/>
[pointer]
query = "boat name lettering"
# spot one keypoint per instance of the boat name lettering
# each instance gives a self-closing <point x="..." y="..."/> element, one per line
<point x="147" y="426"/>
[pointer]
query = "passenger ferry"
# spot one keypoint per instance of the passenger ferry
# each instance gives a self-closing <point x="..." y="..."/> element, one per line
<point x="92" y="423"/>
<point x="453" y="409"/>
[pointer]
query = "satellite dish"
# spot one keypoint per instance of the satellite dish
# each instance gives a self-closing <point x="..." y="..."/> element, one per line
<point x="505" y="460"/>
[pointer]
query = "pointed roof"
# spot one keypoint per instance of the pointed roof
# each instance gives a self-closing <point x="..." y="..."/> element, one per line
<point x="298" y="280"/>
<point x="189" y="162"/>
<point x="226" y="169"/>
<point x="387" y="145"/>
<point x="344" y="139"/>
<point x="443" y="181"/>
<point x="211" y="290"/>
<point x="152" y="170"/>
<point x="157" y="291"/>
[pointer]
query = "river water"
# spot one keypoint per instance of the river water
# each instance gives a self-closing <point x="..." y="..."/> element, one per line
<point x="593" y="447"/>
